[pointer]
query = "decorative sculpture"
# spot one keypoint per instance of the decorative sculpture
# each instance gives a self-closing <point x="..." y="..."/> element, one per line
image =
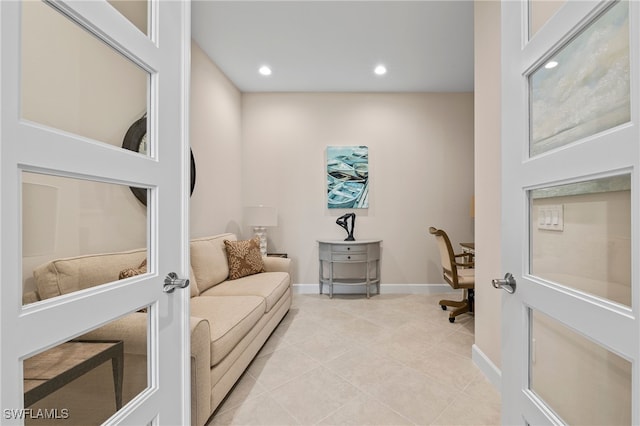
<point x="342" y="221"/>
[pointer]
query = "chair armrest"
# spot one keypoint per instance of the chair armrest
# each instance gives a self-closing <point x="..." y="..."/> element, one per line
<point x="465" y="256"/>
<point x="277" y="264"/>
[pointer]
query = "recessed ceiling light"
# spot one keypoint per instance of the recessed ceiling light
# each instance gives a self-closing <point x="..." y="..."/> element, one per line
<point x="380" y="70"/>
<point x="551" y="64"/>
<point x="264" y="70"/>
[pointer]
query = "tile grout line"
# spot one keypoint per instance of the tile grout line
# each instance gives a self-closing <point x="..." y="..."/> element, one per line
<point x="400" y="311"/>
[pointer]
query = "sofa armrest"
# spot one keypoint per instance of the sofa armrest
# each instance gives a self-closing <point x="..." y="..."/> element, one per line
<point x="132" y="330"/>
<point x="200" y="371"/>
<point x="277" y="264"/>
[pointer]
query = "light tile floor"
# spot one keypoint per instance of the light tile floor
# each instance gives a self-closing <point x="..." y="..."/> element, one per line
<point x="388" y="360"/>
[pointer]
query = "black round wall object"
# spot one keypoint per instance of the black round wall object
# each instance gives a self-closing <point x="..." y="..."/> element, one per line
<point x="136" y="140"/>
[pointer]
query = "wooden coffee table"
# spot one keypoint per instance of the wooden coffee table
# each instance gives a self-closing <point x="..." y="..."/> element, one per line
<point x="50" y="370"/>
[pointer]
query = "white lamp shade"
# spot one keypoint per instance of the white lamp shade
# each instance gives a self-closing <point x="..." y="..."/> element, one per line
<point x="261" y="216"/>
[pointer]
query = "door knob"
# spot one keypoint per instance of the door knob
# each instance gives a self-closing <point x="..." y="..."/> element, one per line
<point x="171" y="282"/>
<point x="508" y="284"/>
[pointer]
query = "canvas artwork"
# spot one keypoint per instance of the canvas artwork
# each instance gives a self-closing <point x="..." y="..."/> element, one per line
<point x="347" y="177"/>
<point x="584" y="89"/>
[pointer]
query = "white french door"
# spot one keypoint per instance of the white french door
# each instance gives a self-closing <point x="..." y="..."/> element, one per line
<point x="570" y="156"/>
<point x="65" y="192"/>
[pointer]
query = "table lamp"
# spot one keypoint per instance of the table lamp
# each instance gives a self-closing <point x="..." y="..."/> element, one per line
<point x="260" y="217"/>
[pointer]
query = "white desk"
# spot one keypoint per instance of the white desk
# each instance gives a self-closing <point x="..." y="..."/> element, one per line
<point x="366" y="252"/>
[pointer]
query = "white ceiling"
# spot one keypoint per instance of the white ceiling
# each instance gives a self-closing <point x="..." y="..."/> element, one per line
<point x="318" y="46"/>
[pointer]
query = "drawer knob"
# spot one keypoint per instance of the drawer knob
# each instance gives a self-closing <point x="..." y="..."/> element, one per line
<point x="348" y="248"/>
<point x="348" y="257"/>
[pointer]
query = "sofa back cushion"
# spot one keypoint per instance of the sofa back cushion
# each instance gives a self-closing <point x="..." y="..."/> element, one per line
<point x="209" y="260"/>
<point x="63" y="276"/>
<point x="71" y="274"/>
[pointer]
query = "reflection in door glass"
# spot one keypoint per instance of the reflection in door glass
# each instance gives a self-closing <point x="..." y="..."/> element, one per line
<point x="581" y="236"/>
<point x="583" y="89"/>
<point x="86" y="380"/>
<point x="581" y="381"/>
<point x="540" y="11"/>
<point x="135" y="11"/>
<point x="73" y="81"/>
<point x="67" y="227"/>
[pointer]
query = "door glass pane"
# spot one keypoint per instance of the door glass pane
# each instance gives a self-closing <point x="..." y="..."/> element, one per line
<point x="78" y="221"/>
<point x="581" y="236"/>
<point x="584" y="88"/>
<point x="581" y="381"/>
<point x="74" y="82"/>
<point x="86" y="380"/>
<point x="135" y="11"/>
<point x="540" y="11"/>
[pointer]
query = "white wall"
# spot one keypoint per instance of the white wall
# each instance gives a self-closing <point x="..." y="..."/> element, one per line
<point x="215" y="134"/>
<point x="270" y="149"/>
<point x="421" y="173"/>
<point x="487" y="178"/>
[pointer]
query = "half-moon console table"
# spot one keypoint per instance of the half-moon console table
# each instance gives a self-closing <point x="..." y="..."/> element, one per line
<point x="366" y="252"/>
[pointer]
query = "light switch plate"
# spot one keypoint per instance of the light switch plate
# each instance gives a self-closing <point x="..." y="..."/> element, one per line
<point x="551" y="217"/>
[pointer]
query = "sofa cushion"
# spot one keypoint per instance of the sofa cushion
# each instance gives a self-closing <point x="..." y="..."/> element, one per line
<point x="71" y="274"/>
<point x="244" y="258"/>
<point x="268" y="285"/>
<point x="230" y="319"/>
<point x="209" y="260"/>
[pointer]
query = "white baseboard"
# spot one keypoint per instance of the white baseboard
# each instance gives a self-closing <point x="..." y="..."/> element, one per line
<point x="488" y="368"/>
<point x="384" y="289"/>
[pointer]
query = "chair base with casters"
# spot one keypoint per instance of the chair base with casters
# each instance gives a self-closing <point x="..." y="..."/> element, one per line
<point x="463" y="306"/>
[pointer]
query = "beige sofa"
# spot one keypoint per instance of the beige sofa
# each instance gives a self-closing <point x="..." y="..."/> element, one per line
<point x="230" y="321"/>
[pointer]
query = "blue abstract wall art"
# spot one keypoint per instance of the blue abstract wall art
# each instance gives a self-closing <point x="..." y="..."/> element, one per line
<point x="347" y="177"/>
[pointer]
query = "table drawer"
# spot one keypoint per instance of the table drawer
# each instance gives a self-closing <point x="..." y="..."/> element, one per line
<point x="355" y="257"/>
<point x="359" y="248"/>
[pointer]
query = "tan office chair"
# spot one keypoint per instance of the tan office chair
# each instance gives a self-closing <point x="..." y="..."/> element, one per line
<point x="459" y="274"/>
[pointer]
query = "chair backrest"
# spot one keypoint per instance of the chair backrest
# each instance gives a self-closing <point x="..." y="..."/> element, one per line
<point x="447" y="258"/>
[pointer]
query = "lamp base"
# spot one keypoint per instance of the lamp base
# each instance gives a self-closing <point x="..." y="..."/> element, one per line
<point x="261" y="233"/>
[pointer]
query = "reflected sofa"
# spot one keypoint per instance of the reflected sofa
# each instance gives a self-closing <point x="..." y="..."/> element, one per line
<point x="230" y="321"/>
